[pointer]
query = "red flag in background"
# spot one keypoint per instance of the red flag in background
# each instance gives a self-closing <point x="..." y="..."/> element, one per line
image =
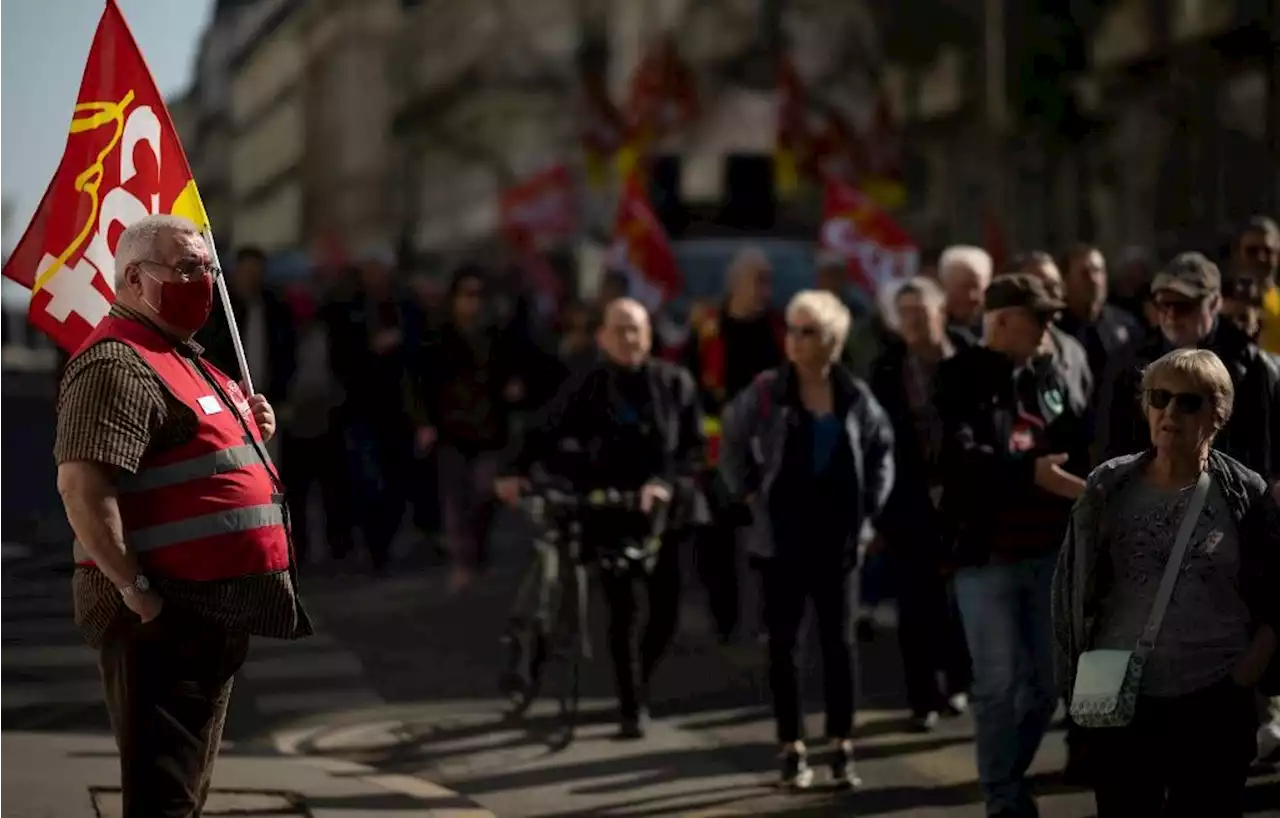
<point x="883" y="148"/>
<point x="663" y="99"/>
<point x="876" y="248"/>
<point x="793" y="142"/>
<point x="603" y="127"/>
<point x="542" y="208"/>
<point x="536" y="215"/>
<point x="122" y="161"/>
<point x="641" y="248"/>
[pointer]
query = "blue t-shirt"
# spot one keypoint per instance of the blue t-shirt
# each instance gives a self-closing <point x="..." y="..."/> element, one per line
<point x="826" y="435"/>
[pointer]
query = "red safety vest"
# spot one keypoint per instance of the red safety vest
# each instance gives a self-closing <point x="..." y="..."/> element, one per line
<point x="210" y="508"/>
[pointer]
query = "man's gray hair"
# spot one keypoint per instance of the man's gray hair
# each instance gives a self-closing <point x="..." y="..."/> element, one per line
<point x="138" y="241"/>
<point x="930" y="294"/>
<point x="969" y="257"/>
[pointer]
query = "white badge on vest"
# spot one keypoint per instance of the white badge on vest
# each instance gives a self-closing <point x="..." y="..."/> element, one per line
<point x="209" y="404"/>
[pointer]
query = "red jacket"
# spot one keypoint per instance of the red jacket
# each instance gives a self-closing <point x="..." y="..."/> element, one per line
<point x="211" y="508"/>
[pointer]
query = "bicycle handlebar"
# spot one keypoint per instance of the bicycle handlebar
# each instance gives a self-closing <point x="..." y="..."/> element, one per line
<point x="539" y="499"/>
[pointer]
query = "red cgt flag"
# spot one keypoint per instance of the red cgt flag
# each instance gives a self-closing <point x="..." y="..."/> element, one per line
<point x="122" y="161"/>
<point x="877" y="249"/>
<point x="641" y="248"/>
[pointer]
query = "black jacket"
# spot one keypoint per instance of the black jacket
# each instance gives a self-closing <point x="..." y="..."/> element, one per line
<point x="758" y="425"/>
<point x="584" y="413"/>
<point x="1103" y="339"/>
<point x="909" y="516"/>
<point x="1251" y="435"/>
<point x="989" y="496"/>
<point x="282" y="343"/>
<point x="457" y="385"/>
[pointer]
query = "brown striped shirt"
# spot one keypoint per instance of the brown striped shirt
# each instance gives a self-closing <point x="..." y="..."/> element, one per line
<point x="114" y="410"/>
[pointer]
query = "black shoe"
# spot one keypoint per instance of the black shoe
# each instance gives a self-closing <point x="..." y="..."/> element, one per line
<point x="796" y="772"/>
<point x="632" y="728"/>
<point x="843" y="773"/>
<point x="925" y="722"/>
<point x="865" y="630"/>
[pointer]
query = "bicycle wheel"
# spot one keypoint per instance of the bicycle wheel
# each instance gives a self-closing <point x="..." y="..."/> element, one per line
<point x="563" y="669"/>
<point x="525" y="640"/>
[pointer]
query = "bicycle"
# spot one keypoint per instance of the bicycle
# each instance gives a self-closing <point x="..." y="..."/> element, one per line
<point x="548" y="634"/>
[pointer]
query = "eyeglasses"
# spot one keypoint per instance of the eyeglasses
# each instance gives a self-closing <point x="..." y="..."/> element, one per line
<point x="1177" y="306"/>
<point x="1188" y="403"/>
<point x="187" y="270"/>
<point x="796" y="331"/>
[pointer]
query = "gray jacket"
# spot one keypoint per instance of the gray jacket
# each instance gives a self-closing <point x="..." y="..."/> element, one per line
<point x="754" y="436"/>
<point x="1083" y="573"/>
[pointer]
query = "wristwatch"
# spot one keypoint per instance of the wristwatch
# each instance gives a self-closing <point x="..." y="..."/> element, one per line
<point x="140" y="585"/>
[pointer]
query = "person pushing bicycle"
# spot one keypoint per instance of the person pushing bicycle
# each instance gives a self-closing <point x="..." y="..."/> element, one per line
<point x="628" y="423"/>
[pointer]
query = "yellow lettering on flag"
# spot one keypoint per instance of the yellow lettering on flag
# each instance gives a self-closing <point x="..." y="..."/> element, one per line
<point x="90" y="180"/>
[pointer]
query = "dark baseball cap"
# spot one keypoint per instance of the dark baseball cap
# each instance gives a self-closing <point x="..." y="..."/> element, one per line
<point x="1191" y="275"/>
<point x="1021" y="290"/>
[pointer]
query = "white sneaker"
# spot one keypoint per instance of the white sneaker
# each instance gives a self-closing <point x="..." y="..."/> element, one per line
<point x="1269" y="743"/>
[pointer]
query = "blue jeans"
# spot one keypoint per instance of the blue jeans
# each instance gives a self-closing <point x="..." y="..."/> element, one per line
<point x="1008" y="625"/>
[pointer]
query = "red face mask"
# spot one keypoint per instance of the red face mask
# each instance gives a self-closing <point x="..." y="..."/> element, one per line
<point x="184" y="305"/>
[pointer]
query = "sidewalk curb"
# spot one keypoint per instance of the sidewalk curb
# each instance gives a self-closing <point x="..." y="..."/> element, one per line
<point x="289" y="743"/>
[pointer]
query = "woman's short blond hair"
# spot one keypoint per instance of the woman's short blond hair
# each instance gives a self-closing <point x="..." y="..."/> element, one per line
<point x="828" y="312"/>
<point x="1204" y="370"/>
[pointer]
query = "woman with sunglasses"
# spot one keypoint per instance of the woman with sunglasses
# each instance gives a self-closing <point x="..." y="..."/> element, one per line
<point x="810" y="450"/>
<point x="1186" y="749"/>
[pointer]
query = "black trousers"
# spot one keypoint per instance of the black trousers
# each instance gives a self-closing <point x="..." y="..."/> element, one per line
<point x="1186" y="757"/>
<point x="167" y="685"/>
<point x="935" y="658"/>
<point x="662" y="589"/>
<point x="789" y="585"/>
<point x="318" y="460"/>
<point x="715" y="557"/>
<point x="382" y="447"/>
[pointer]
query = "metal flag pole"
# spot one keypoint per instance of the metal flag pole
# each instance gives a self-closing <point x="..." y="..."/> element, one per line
<point x="246" y="380"/>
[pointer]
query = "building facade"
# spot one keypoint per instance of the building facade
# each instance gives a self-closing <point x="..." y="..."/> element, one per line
<point x="1163" y="144"/>
<point x="268" y="126"/>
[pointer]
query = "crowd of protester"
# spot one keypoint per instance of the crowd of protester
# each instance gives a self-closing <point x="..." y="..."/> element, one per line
<point x="980" y="404"/>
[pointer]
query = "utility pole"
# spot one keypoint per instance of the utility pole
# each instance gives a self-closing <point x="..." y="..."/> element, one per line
<point x="996" y="103"/>
<point x="1273" y="103"/>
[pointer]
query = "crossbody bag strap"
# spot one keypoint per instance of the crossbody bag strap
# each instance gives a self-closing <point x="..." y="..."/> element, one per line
<point x="1148" y="639"/>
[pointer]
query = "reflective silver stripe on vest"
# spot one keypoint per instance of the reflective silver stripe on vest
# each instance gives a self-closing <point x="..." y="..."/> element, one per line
<point x="195" y="528"/>
<point x="205" y="465"/>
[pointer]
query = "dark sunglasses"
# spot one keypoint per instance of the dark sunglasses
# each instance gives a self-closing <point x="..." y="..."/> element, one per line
<point x="1188" y="403"/>
<point x="802" y="332"/>
<point x="1177" y="307"/>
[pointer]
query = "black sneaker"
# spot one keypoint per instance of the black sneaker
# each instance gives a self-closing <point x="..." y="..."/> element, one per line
<point x="843" y="773"/>
<point x="632" y="728"/>
<point x="796" y="772"/>
<point x="925" y="722"/>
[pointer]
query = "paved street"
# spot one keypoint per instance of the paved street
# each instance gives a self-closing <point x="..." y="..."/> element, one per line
<point x="399" y="689"/>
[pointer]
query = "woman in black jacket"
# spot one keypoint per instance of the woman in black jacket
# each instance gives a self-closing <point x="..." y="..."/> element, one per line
<point x="810" y="449"/>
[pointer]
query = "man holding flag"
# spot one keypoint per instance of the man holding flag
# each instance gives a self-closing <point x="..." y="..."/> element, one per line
<point x="182" y="545"/>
